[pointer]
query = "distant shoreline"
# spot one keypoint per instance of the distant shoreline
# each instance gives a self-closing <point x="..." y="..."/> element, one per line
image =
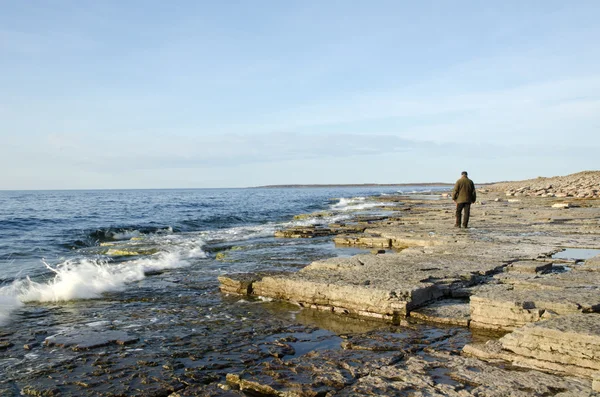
<point x="355" y="185"/>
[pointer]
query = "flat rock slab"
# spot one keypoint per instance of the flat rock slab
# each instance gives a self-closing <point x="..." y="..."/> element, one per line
<point x="90" y="339"/>
<point x="529" y="267"/>
<point x="575" y="278"/>
<point x="304" y="232"/>
<point x="242" y="283"/>
<point x="566" y="344"/>
<point x="504" y="308"/>
<point x="361" y="300"/>
<point x="237" y="284"/>
<point x="447" y="311"/>
<point x="389" y="286"/>
<point x="563" y="348"/>
<point x="364" y="241"/>
<point x="592" y="264"/>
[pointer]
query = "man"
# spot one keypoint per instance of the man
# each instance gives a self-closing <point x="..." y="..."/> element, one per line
<point x="463" y="195"/>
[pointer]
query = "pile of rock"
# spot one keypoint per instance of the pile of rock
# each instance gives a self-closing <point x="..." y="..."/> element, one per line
<point x="584" y="184"/>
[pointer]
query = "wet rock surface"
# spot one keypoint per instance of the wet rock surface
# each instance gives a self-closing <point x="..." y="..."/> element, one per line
<point x="377" y="330"/>
<point x="504" y="265"/>
<point x="304" y="232"/>
<point x="89" y="339"/>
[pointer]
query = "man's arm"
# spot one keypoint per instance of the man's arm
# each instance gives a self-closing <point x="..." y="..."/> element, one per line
<point x="474" y="194"/>
<point x="455" y="192"/>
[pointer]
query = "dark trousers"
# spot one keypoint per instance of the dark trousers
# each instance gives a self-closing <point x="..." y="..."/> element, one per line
<point x="459" y="210"/>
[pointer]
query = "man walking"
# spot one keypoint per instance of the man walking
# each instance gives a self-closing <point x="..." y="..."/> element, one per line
<point x="463" y="195"/>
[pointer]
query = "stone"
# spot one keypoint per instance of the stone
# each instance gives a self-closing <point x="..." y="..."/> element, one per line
<point x="239" y="284"/>
<point x="312" y="215"/>
<point x="505" y="309"/>
<point x="591" y="264"/>
<point x="4" y="344"/>
<point x="529" y="267"/>
<point x="565" y="344"/>
<point x="347" y="229"/>
<point x="447" y="311"/>
<point x="304" y="232"/>
<point x="364" y="241"/>
<point x="568" y="340"/>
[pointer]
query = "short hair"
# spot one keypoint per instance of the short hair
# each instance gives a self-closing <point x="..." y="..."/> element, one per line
<point x="464" y="173"/>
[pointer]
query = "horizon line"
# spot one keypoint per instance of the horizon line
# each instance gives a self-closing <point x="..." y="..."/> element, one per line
<point x="280" y="186"/>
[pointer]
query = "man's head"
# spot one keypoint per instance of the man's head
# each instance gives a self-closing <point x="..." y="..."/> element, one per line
<point x="464" y="173"/>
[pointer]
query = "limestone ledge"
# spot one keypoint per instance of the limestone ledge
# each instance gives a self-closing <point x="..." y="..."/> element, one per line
<point x="386" y="286"/>
<point x="361" y="300"/>
<point x="566" y="344"/>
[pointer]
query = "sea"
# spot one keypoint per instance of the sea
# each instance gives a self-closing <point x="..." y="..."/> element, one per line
<point x="100" y="286"/>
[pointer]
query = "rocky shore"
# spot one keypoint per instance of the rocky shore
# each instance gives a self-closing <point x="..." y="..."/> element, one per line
<point x="583" y="184"/>
<point x="527" y="272"/>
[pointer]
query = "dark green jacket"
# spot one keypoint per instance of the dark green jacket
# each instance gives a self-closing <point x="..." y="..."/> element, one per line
<point x="464" y="191"/>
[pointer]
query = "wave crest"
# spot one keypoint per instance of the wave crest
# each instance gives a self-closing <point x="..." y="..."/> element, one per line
<point x="86" y="279"/>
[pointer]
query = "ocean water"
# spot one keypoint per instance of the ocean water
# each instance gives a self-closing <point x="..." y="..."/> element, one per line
<point x="146" y="262"/>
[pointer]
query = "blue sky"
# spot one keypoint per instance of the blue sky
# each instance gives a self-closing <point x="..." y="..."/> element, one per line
<point x="155" y="94"/>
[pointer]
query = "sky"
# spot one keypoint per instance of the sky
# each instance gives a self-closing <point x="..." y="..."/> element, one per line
<point x="198" y="94"/>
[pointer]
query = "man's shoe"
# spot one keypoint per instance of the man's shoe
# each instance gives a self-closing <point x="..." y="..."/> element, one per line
<point x="456" y="225"/>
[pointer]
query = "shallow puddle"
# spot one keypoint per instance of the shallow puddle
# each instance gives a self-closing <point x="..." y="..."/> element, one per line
<point x="576" y="253"/>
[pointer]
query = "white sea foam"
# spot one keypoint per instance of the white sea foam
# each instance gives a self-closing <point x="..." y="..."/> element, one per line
<point x="85" y="279"/>
<point x="126" y="235"/>
<point x="240" y="233"/>
<point x="355" y="204"/>
<point x="319" y="220"/>
<point x="8" y="303"/>
<point x="340" y="212"/>
<point x="129" y="234"/>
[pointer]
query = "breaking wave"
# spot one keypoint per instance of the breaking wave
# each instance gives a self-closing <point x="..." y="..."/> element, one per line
<point x="87" y="279"/>
<point x="124" y="233"/>
<point x="355" y="204"/>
